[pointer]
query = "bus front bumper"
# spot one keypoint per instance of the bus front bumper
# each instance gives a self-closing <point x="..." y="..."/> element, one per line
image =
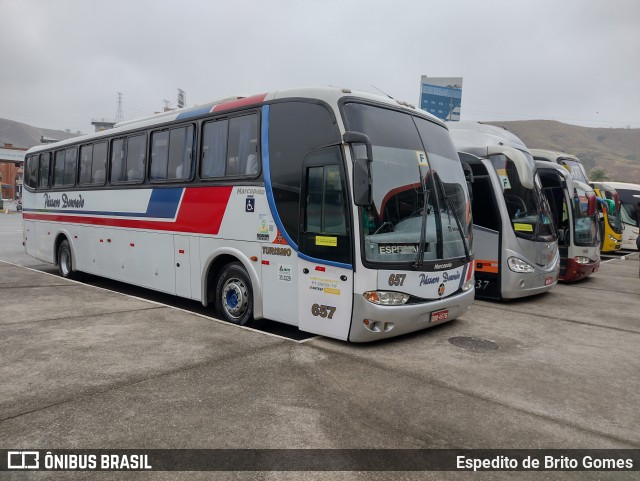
<point x="391" y="321"/>
<point x="576" y="271"/>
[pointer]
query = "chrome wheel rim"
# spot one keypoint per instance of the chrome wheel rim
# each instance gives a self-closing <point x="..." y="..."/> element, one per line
<point x="65" y="262"/>
<point x="235" y="298"/>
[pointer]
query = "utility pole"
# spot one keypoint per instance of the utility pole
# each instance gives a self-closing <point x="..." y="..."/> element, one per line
<point x="119" y="114"/>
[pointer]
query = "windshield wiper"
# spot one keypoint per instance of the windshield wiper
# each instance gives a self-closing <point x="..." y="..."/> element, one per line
<point x="455" y="217"/>
<point x="423" y="235"/>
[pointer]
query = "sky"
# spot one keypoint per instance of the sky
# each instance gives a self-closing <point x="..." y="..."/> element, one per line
<point x="62" y="62"/>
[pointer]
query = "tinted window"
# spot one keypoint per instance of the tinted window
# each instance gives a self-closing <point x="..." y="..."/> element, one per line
<point x="159" y="155"/>
<point x="171" y="152"/>
<point x="242" y="153"/>
<point x="70" y="159"/>
<point x="31" y="172"/>
<point x="324" y="231"/>
<point x="99" y="163"/>
<point x="127" y="159"/>
<point x="136" y="153"/>
<point x="180" y="153"/>
<point x="86" y="153"/>
<point x="295" y="129"/>
<point x="118" y="165"/>
<point x="64" y="168"/>
<point x="58" y="169"/>
<point x="45" y="162"/>
<point x="214" y="149"/>
<point x="325" y="201"/>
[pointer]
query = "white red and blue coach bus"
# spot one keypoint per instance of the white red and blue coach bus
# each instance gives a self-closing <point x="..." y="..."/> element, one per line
<point x="343" y="213"/>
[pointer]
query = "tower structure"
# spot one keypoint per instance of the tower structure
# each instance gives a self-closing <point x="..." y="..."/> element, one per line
<point x="119" y="114"/>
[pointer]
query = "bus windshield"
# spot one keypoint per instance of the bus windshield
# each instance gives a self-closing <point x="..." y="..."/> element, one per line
<point x="614" y="218"/>
<point x="420" y="207"/>
<point x="630" y="206"/>
<point x="575" y="168"/>
<point x="585" y="229"/>
<point x="528" y="209"/>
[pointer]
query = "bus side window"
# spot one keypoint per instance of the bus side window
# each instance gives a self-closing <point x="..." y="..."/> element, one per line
<point x="31" y="172"/>
<point x="136" y="153"/>
<point x="118" y="173"/>
<point x="159" y="155"/>
<point x="58" y="169"/>
<point x="243" y="142"/>
<point x="99" y="163"/>
<point x="180" y="149"/>
<point x="43" y="177"/>
<point x="86" y="153"/>
<point x="70" y="160"/>
<point x="214" y="149"/>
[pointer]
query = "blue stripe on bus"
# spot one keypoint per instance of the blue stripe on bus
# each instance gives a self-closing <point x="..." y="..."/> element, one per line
<point x="163" y="204"/>
<point x="266" y="168"/>
<point x="194" y="113"/>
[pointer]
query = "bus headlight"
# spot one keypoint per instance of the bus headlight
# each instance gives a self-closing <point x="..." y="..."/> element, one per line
<point x="518" y="265"/>
<point x="582" y="259"/>
<point x="386" y="298"/>
<point x="613" y="239"/>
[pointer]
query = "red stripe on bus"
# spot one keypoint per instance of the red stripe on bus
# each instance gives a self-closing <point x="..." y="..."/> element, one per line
<point x="232" y="104"/>
<point x="201" y="212"/>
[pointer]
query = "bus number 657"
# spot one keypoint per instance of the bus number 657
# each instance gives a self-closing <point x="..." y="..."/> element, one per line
<point x="323" y="311"/>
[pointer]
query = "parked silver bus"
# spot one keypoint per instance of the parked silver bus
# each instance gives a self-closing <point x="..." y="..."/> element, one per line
<point x="515" y="242"/>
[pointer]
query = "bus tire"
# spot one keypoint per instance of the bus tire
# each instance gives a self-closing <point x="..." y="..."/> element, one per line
<point x="234" y="295"/>
<point x="65" y="260"/>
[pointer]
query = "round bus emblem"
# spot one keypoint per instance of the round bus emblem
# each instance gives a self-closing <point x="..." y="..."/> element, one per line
<point x="441" y="289"/>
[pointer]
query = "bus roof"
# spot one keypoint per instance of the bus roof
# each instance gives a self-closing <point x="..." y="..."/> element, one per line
<point x="624" y="185"/>
<point x="553" y="156"/>
<point x="328" y="94"/>
<point x="477" y="134"/>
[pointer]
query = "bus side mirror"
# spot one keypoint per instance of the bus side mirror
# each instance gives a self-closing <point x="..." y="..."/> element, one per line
<point x="362" y="156"/>
<point x="591" y="204"/>
<point x="611" y="206"/>
<point x="361" y="183"/>
<point x="468" y="175"/>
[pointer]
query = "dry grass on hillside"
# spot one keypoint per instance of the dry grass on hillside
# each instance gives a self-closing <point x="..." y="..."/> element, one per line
<point x="615" y="150"/>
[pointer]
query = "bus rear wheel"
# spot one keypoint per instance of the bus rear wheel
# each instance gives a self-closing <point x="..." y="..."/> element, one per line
<point x="234" y="295"/>
<point x="65" y="261"/>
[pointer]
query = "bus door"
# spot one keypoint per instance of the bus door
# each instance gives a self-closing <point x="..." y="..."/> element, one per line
<point x="556" y="187"/>
<point x="487" y="227"/>
<point x="325" y="272"/>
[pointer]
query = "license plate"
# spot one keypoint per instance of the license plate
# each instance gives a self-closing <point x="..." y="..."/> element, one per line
<point x="548" y="281"/>
<point x="440" y="315"/>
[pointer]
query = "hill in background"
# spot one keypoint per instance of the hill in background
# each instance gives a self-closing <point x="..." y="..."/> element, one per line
<point x="24" y="135"/>
<point x="615" y="150"/>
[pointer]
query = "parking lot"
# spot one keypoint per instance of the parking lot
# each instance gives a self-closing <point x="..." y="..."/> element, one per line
<point x="83" y="367"/>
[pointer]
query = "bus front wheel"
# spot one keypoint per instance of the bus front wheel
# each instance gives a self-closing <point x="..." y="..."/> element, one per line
<point x="65" y="262"/>
<point x="234" y="294"/>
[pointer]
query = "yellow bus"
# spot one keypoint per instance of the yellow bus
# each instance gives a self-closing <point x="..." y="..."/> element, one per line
<point x="609" y="218"/>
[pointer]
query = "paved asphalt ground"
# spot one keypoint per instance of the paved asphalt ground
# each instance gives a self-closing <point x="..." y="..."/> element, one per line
<point x="83" y="367"/>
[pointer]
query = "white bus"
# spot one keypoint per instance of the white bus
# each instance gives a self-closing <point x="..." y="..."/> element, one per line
<point x="629" y="195"/>
<point x="343" y="213"/>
